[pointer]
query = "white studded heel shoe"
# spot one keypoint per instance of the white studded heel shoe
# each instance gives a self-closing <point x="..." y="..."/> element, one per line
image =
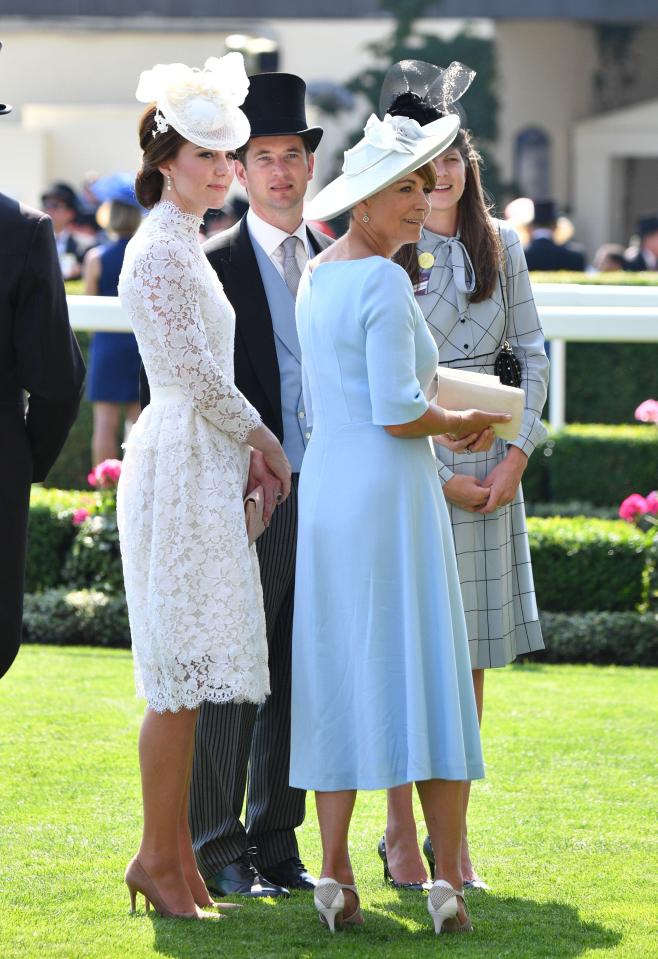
<point x="330" y="903"/>
<point x="442" y="907"/>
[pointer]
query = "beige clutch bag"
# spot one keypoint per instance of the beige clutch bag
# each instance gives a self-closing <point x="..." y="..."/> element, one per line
<point x="253" y="514"/>
<point x="465" y="390"/>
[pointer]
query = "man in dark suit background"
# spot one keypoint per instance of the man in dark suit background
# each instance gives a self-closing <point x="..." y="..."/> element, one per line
<point x="645" y="257"/>
<point x="38" y="355"/>
<point x="259" y="261"/>
<point x="542" y="252"/>
<point x="62" y="205"/>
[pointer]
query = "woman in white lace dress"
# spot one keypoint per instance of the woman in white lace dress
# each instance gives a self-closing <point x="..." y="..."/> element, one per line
<point x="192" y="580"/>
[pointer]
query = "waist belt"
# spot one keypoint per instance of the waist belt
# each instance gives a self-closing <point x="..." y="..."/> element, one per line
<point x="168" y="394"/>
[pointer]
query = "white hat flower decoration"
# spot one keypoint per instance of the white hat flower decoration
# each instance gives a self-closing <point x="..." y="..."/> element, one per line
<point x="202" y="105"/>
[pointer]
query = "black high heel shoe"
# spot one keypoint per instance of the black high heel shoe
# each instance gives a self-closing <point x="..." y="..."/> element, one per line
<point x="428" y="852"/>
<point x="476" y="883"/>
<point x="409" y="886"/>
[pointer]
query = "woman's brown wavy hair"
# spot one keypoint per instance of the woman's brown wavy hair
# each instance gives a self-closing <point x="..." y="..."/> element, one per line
<point x="477" y="230"/>
<point x="156" y="150"/>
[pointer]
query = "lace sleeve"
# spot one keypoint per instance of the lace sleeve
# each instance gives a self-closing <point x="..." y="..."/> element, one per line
<point x="165" y="279"/>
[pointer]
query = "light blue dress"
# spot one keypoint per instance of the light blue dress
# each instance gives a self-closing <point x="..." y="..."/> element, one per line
<point x="381" y="678"/>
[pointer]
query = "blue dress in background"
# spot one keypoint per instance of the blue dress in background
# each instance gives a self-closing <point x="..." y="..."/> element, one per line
<point x="113" y="375"/>
<point x="382" y="692"/>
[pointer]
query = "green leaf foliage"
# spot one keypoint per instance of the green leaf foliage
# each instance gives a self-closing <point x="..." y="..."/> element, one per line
<point x="50" y="534"/>
<point x="94" y="559"/>
<point x="623" y="639"/>
<point x="581" y="564"/>
<point x="89" y="617"/>
<point x="607" y="381"/>
<point x="596" y="463"/>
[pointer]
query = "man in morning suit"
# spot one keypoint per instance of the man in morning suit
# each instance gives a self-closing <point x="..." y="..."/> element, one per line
<point x="543" y="253"/>
<point x="644" y="257"/>
<point x="38" y="355"/>
<point x="259" y="262"/>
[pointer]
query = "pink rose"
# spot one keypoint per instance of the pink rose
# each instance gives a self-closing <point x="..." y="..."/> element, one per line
<point x="652" y="503"/>
<point x="632" y="507"/>
<point x="647" y="412"/>
<point x="106" y="474"/>
<point x="79" y="516"/>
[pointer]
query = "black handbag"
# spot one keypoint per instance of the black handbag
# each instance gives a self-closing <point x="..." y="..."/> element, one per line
<point x="506" y="365"/>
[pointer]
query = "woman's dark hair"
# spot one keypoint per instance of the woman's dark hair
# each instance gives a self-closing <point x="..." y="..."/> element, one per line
<point x="156" y="150"/>
<point x="477" y="229"/>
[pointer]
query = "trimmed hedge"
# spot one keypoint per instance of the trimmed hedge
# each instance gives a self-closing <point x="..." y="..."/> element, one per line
<point x="571" y="508"/>
<point x="624" y="639"/>
<point x="50" y="534"/>
<point x="598" y="463"/>
<point x="76" y="617"/>
<point x="621" y="278"/>
<point x="588" y="564"/>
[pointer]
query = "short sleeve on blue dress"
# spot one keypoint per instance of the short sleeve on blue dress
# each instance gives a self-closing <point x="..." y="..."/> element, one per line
<point x="390" y="316"/>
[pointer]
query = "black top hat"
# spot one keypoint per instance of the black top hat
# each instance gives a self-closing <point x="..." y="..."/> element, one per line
<point x="63" y="192"/>
<point x="275" y="106"/>
<point x="4" y="107"/>
<point x="647" y="225"/>
<point x="546" y="213"/>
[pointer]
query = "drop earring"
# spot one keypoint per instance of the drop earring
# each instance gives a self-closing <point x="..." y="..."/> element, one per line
<point x="169" y="183"/>
<point x="365" y="218"/>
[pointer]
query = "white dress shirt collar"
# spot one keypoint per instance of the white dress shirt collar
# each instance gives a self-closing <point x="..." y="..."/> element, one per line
<point x="271" y="237"/>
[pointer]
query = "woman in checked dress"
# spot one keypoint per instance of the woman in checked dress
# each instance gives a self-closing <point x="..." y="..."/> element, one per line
<point x="192" y="582"/>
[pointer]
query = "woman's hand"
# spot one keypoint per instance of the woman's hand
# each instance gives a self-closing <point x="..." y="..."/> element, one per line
<point x="260" y="475"/>
<point x="466" y="492"/>
<point x="476" y="421"/>
<point x="503" y="481"/>
<point x="264" y="441"/>
<point x="472" y="443"/>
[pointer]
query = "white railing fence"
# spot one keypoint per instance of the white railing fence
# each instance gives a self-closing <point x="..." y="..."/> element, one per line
<point x="568" y="312"/>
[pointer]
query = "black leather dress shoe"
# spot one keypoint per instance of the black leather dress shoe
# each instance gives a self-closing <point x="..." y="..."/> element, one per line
<point x="241" y="878"/>
<point x="291" y="873"/>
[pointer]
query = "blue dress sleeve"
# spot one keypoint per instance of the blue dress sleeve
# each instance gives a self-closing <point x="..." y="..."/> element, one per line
<point x="390" y="316"/>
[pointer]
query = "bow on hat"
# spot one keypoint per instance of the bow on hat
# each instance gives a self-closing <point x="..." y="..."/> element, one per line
<point x="381" y="138"/>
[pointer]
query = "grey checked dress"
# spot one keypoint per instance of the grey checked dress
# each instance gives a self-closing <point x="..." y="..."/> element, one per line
<point x="493" y="554"/>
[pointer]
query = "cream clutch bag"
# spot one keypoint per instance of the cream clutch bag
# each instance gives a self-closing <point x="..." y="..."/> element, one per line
<point x="253" y="514"/>
<point x="465" y="390"/>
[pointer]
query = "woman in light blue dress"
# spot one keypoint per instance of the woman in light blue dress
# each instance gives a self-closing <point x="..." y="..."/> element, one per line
<point x="382" y="690"/>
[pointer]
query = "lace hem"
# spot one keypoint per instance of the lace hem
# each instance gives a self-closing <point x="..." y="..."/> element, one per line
<point x="160" y="704"/>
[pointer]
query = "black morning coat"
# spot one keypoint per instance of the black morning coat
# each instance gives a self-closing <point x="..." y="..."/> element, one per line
<point x="231" y="255"/>
<point x="38" y="354"/>
<point x="543" y="253"/>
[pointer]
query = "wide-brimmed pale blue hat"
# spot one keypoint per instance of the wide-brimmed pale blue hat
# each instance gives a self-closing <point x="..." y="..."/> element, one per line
<point x="390" y="149"/>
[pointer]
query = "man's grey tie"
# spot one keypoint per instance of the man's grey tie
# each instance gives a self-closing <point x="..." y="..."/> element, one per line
<point x="291" y="271"/>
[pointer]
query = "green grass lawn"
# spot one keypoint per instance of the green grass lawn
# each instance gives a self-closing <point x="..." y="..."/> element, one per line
<point x="563" y="828"/>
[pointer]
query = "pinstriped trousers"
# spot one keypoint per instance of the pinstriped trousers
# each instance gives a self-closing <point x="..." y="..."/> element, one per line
<point x="240" y="742"/>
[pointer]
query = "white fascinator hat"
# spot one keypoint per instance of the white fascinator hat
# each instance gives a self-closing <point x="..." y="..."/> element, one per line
<point x="390" y="149"/>
<point x="202" y="105"/>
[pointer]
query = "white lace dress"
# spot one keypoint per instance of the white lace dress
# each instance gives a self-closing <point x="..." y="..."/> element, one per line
<point x="192" y="581"/>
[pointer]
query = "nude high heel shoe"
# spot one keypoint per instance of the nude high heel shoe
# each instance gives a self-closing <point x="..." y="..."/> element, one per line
<point x="138" y="880"/>
<point x="442" y="907"/>
<point x="330" y="903"/>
